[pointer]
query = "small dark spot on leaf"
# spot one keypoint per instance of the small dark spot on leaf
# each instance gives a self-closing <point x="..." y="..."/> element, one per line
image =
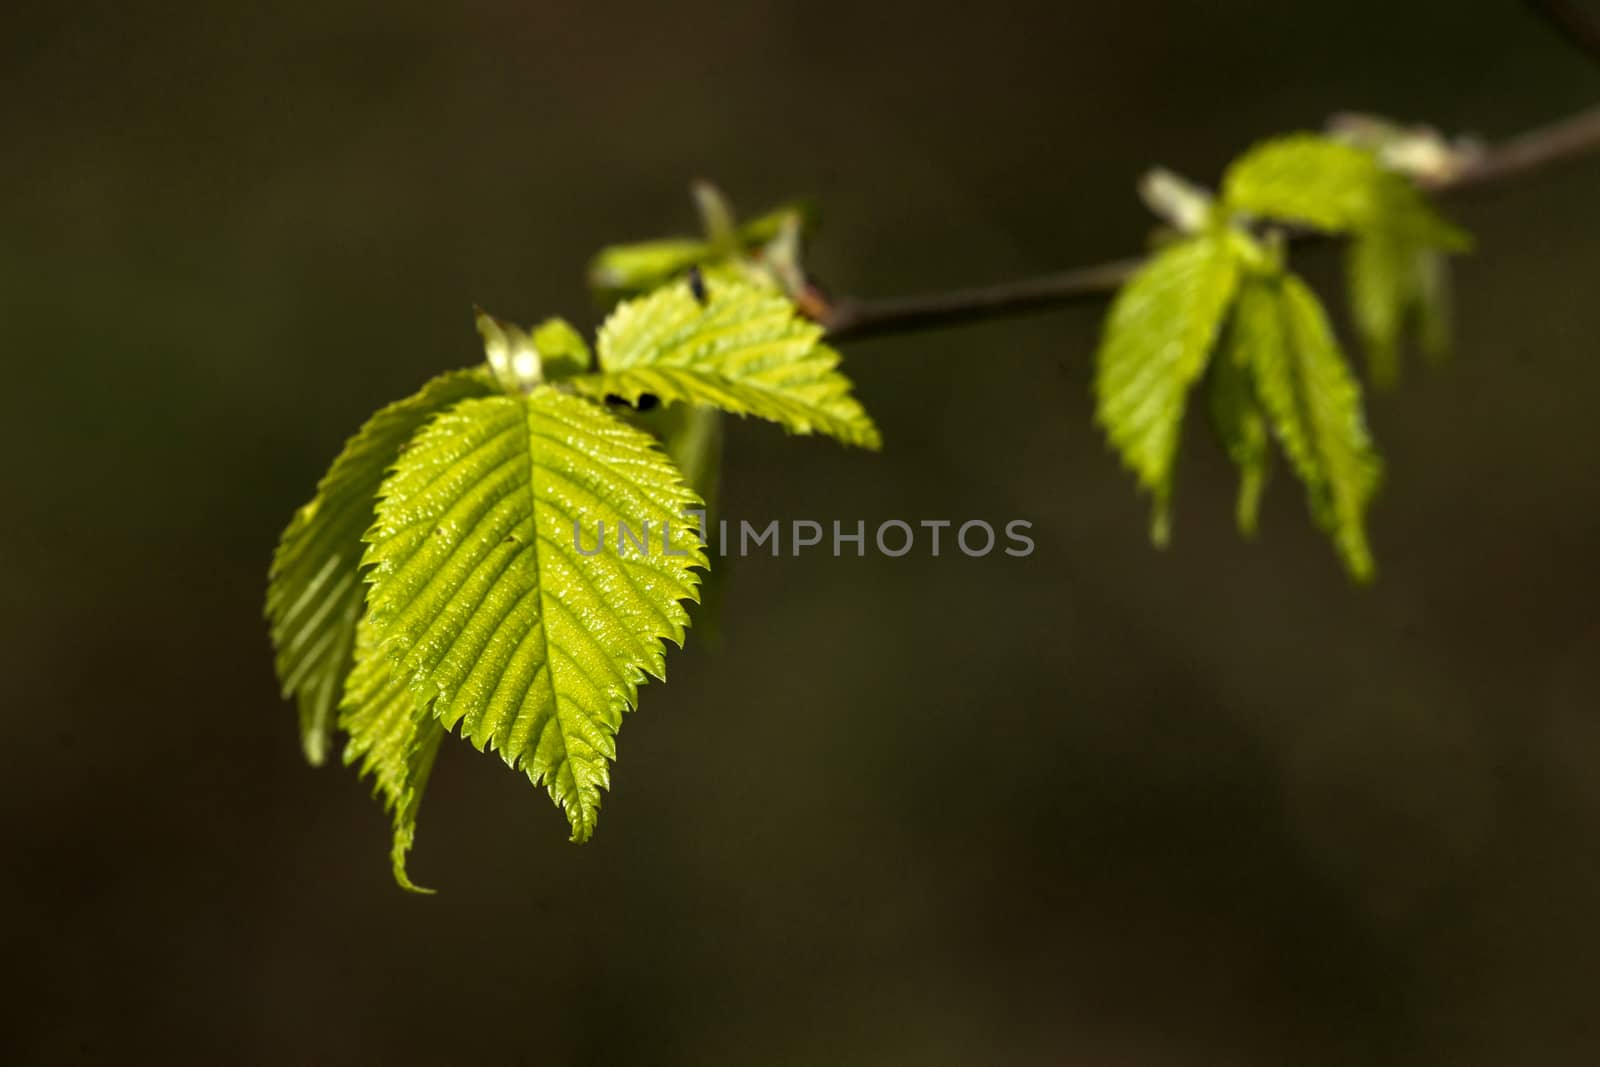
<point x="697" y="284"/>
<point x="646" y="401"/>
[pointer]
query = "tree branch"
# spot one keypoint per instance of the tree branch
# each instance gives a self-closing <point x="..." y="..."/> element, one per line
<point x="1579" y="27"/>
<point x="845" y="318"/>
<point x="1558" y="142"/>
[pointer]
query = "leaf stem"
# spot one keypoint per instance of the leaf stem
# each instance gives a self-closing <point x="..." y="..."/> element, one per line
<point x="849" y="318"/>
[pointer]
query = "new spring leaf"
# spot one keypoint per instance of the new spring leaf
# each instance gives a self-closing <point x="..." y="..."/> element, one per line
<point x="1314" y="405"/>
<point x="1315" y="181"/>
<point x="393" y="738"/>
<point x="745" y="350"/>
<point x="314" y="595"/>
<point x="492" y="614"/>
<point x="1158" y="337"/>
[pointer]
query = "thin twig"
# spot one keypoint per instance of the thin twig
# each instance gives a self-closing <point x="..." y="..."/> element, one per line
<point x="1558" y="142"/>
<point x="1546" y="146"/>
<point x="1580" y="28"/>
<point x="863" y="318"/>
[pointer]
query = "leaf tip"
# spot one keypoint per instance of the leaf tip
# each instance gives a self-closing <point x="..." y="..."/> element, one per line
<point x="1247" y="516"/>
<point x="582" y="820"/>
<point x="314" y="744"/>
<point x="1161" y="522"/>
<point x="1363" y="570"/>
<point x="404" y="881"/>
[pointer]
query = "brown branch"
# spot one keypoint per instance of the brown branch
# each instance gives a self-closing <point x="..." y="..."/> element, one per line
<point x="847" y="318"/>
<point x="1558" y="142"/>
<point x="1544" y="147"/>
<point x="1580" y="28"/>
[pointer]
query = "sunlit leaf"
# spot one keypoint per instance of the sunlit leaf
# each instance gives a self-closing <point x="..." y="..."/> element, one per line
<point x="394" y="741"/>
<point x="313" y="593"/>
<point x="491" y="608"/>
<point x="1240" y="423"/>
<point x="745" y="350"/>
<point x="1314" y="406"/>
<point x="1159" y="335"/>
<point x="1315" y="181"/>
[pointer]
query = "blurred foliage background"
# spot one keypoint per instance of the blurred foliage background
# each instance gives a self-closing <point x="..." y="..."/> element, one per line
<point x="1103" y="805"/>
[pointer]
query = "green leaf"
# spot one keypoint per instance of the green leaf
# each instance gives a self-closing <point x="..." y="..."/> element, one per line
<point x="692" y="437"/>
<point x="643" y="265"/>
<point x="746" y="350"/>
<point x="1434" y="308"/>
<point x="488" y="608"/>
<point x="1314" y="405"/>
<point x="1241" y="425"/>
<point x="1383" y="285"/>
<point x="796" y="215"/>
<point x="639" y="267"/>
<point x="562" y="348"/>
<point x="1158" y="336"/>
<point x="1397" y="284"/>
<point x="1315" y="181"/>
<point x="716" y="218"/>
<point x="393" y="739"/>
<point x="1308" y="179"/>
<point x="313" y="593"/>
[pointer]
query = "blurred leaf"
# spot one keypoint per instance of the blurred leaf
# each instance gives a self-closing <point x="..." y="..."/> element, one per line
<point x="641" y="266"/>
<point x="780" y="260"/>
<point x="1383" y="285"/>
<point x="1435" y="304"/>
<point x="764" y="228"/>
<point x="1240" y="424"/>
<point x="313" y="592"/>
<point x="489" y="610"/>
<point x="1312" y="180"/>
<point x="1157" y="339"/>
<point x="729" y="249"/>
<point x="1187" y="207"/>
<point x="693" y="439"/>
<point x="1305" y="178"/>
<point x="746" y="351"/>
<point x="562" y="348"/>
<point x="694" y="443"/>
<point x="716" y="219"/>
<point x="1396" y="284"/>
<point x="1416" y="151"/>
<point x="1314" y="405"/>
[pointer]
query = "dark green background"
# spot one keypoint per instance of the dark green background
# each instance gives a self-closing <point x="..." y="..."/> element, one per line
<point x="1104" y="805"/>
